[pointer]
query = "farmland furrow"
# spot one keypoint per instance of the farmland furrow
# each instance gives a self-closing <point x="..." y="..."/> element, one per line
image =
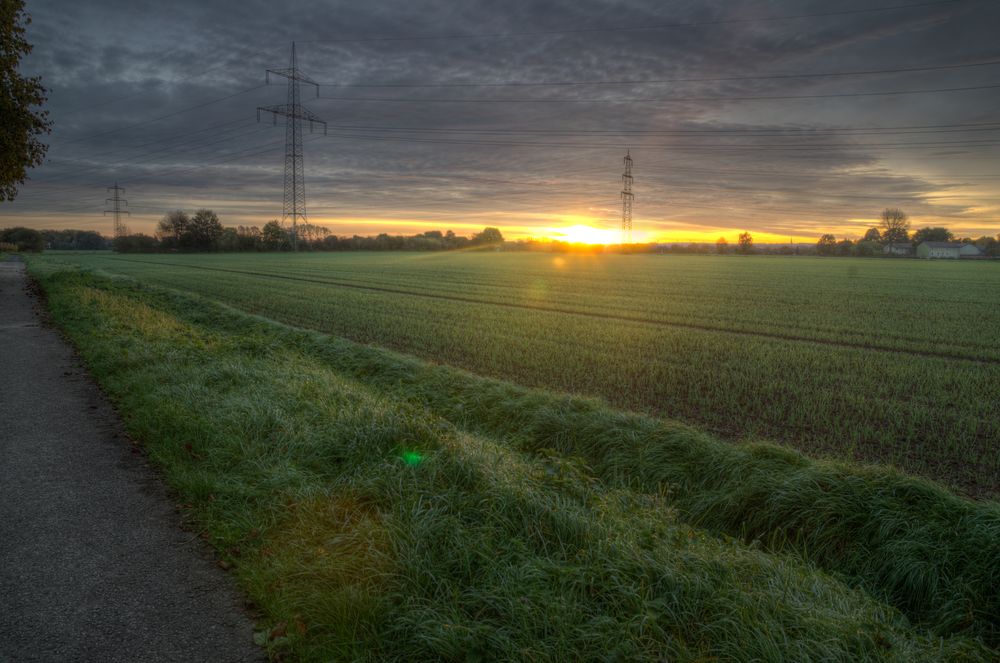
<point x="590" y="314"/>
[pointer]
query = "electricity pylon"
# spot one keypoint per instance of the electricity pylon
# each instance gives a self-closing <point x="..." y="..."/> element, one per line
<point x="116" y="209"/>
<point x="294" y="207"/>
<point x="627" y="199"/>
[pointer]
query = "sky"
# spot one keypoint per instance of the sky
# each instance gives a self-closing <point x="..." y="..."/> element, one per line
<point x="787" y="118"/>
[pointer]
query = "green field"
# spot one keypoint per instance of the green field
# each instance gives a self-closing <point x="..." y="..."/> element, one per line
<point x="381" y="507"/>
<point x="894" y="362"/>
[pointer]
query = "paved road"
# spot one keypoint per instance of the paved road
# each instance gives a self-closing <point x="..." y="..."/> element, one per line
<point x="93" y="563"/>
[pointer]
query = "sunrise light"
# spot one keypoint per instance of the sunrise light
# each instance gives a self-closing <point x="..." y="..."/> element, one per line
<point x="583" y="234"/>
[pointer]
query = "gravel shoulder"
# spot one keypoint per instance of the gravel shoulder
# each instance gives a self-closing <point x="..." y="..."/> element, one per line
<point x="94" y="563"/>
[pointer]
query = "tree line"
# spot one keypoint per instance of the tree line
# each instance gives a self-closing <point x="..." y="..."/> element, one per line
<point x="203" y="231"/>
<point x="179" y="231"/>
<point x="894" y="231"/>
<point x="20" y="238"/>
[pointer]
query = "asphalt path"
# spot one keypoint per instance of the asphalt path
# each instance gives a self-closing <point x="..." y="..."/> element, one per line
<point x="94" y="563"/>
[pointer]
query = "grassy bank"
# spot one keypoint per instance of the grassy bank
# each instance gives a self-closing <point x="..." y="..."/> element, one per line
<point x="378" y="507"/>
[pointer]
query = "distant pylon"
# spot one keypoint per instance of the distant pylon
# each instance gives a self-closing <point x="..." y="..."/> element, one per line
<point x="627" y="199"/>
<point x="116" y="209"/>
<point x="294" y="113"/>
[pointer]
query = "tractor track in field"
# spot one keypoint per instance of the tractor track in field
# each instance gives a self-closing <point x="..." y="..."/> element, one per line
<point x="951" y="356"/>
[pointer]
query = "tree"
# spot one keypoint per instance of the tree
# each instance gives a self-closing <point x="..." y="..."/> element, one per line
<point x="229" y="240"/>
<point x="274" y="237"/>
<point x="721" y="246"/>
<point x="826" y="245"/>
<point x="489" y="236"/>
<point x="873" y="235"/>
<point x="988" y="245"/>
<point x="138" y="243"/>
<point x="895" y="226"/>
<point x="24" y="239"/>
<point x="746" y="243"/>
<point x="867" y="248"/>
<point x="937" y="234"/>
<point x="250" y="238"/>
<point x="22" y="124"/>
<point x="171" y="228"/>
<point x="203" y="231"/>
<point x="74" y="240"/>
<point x="845" y="247"/>
<point x="310" y="233"/>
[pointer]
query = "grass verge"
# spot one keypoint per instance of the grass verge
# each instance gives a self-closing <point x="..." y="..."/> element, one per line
<point x="373" y="515"/>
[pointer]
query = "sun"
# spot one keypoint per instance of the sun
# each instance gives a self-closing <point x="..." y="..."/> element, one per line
<point x="583" y="234"/>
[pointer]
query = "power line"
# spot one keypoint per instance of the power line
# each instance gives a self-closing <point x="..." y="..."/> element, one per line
<point x="189" y="77"/>
<point x="649" y="81"/>
<point x="789" y="132"/>
<point x="129" y="163"/>
<point x="227" y="158"/>
<point x="672" y="146"/>
<point x="169" y="171"/>
<point x="183" y="134"/>
<point x="132" y="159"/>
<point x="164" y="117"/>
<point x="782" y="97"/>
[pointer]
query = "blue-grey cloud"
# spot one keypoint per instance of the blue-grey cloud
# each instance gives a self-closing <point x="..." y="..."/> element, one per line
<point x="782" y="166"/>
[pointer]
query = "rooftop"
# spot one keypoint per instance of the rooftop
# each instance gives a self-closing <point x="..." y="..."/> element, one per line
<point x="943" y="245"/>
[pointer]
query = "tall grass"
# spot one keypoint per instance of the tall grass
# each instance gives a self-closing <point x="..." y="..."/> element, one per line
<point x="373" y="526"/>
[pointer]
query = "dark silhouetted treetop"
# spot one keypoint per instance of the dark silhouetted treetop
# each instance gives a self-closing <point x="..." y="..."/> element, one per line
<point x="22" y="123"/>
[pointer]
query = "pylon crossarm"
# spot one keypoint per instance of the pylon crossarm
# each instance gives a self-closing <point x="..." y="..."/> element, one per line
<point x="285" y="110"/>
<point x="292" y="74"/>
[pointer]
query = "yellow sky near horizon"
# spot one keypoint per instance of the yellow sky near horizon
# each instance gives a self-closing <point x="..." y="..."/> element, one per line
<point x="572" y="227"/>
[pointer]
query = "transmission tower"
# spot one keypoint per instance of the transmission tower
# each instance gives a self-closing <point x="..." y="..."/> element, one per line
<point x="294" y="113"/>
<point x="627" y="199"/>
<point x="116" y="209"/>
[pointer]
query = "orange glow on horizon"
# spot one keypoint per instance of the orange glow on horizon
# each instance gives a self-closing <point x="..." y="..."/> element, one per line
<point x="570" y="227"/>
<point x="581" y="234"/>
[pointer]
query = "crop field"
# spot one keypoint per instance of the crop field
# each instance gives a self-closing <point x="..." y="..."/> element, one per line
<point x="893" y="362"/>
<point x="376" y="506"/>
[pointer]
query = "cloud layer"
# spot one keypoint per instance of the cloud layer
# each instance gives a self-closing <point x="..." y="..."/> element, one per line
<point x="707" y="95"/>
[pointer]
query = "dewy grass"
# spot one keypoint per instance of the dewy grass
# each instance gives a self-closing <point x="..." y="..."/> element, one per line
<point x="292" y="448"/>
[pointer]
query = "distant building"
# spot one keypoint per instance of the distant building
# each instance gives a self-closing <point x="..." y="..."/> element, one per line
<point x="970" y="251"/>
<point x="898" y="249"/>
<point x="949" y="250"/>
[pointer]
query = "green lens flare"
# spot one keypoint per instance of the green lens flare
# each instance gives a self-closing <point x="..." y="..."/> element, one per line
<point x="412" y="458"/>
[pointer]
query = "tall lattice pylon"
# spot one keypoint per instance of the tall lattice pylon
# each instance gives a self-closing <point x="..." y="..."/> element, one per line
<point x="295" y="113"/>
<point x="116" y="210"/>
<point x="627" y="199"/>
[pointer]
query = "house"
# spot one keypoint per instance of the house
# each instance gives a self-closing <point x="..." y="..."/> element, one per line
<point x="898" y="249"/>
<point x="952" y="250"/>
<point x="970" y="251"/>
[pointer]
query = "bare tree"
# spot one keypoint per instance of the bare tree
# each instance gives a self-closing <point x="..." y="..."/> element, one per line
<point x="172" y="227"/>
<point x="895" y="226"/>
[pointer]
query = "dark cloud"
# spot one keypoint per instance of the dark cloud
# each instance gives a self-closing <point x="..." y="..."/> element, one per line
<point x="781" y="166"/>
